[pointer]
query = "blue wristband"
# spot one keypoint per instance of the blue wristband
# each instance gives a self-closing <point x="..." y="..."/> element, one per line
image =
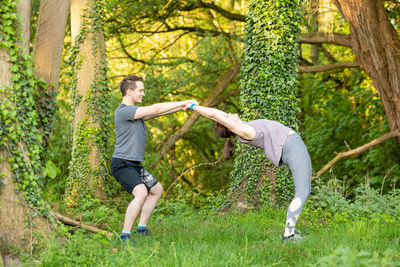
<point x="191" y="106"/>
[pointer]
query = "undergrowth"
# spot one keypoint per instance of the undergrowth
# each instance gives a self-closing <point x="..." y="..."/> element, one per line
<point x="189" y="230"/>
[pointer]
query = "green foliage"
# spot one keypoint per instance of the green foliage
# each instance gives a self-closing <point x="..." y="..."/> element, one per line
<point x="268" y="91"/>
<point x="346" y="256"/>
<point x="341" y="109"/>
<point x="51" y="170"/>
<point x="205" y="238"/>
<point x="185" y="202"/>
<point x="329" y="200"/>
<point x="23" y="124"/>
<point x="93" y="129"/>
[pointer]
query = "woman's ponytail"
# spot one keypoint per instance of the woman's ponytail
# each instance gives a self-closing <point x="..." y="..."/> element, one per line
<point x="229" y="148"/>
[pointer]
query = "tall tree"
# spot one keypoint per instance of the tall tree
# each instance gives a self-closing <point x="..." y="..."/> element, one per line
<point x="376" y="45"/>
<point x="370" y="34"/>
<point x="20" y="150"/>
<point x="47" y="50"/>
<point x="24" y="125"/>
<point x="11" y="228"/>
<point x="268" y="91"/>
<point x="90" y="92"/>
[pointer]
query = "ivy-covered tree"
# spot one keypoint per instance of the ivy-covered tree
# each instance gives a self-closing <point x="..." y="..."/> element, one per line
<point x="24" y="125"/>
<point x="268" y="91"/>
<point x="90" y="93"/>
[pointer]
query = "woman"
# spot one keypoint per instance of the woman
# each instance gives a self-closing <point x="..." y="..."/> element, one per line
<point x="281" y="145"/>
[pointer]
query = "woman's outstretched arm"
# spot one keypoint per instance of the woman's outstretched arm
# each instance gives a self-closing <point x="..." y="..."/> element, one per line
<point x="236" y="126"/>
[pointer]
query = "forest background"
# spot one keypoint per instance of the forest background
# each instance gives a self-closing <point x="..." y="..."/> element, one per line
<point x="185" y="50"/>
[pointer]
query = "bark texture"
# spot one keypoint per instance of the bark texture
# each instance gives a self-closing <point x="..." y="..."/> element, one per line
<point x="52" y="21"/>
<point x="13" y="206"/>
<point x="377" y="47"/>
<point x="90" y="60"/>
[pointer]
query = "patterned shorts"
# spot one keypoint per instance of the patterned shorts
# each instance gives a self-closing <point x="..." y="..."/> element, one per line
<point x="131" y="173"/>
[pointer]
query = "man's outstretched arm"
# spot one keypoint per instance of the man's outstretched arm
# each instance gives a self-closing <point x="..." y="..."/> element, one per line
<point x="162" y="114"/>
<point x="155" y="110"/>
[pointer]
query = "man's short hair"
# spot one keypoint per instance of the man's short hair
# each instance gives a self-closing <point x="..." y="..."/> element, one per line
<point x="129" y="82"/>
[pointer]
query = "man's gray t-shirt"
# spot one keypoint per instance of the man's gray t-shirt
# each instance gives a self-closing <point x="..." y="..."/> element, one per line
<point x="131" y="134"/>
<point x="271" y="136"/>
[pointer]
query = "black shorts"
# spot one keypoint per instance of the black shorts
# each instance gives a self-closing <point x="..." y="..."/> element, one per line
<point x="131" y="173"/>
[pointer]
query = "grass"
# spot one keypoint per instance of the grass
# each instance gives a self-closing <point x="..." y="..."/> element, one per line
<point x="199" y="238"/>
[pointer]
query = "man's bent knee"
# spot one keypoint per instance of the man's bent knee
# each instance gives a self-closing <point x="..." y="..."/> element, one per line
<point x="157" y="189"/>
<point x="140" y="192"/>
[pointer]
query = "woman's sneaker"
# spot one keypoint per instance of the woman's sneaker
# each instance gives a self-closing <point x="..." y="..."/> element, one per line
<point x="299" y="233"/>
<point x="292" y="238"/>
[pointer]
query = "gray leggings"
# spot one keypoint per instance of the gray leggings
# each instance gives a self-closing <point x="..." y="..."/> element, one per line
<point x="295" y="155"/>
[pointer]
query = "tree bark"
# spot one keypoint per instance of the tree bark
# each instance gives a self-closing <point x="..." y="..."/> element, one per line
<point x="11" y="227"/>
<point x="333" y="66"/>
<point x="47" y="50"/>
<point x="376" y="45"/>
<point x="13" y="206"/>
<point x="89" y="57"/>
<point x="322" y="38"/>
<point x="24" y="9"/>
<point x="72" y="222"/>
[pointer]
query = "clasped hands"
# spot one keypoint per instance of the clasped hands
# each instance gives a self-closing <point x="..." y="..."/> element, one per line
<point x="186" y="104"/>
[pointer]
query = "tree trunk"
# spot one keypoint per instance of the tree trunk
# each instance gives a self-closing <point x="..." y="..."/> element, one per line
<point x="268" y="91"/>
<point x="87" y="167"/>
<point x="47" y="49"/>
<point x="11" y="227"/>
<point x="314" y="28"/>
<point x="376" y="45"/>
<point x="14" y="208"/>
<point x="24" y="9"/>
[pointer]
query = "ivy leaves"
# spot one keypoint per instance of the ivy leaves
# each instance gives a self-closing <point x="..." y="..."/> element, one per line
<point x="268" y="90"/>
<point x="91" y="131"/>
<point x="20" y="131"/>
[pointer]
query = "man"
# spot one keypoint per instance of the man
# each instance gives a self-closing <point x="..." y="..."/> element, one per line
<point x="129" y="152"/>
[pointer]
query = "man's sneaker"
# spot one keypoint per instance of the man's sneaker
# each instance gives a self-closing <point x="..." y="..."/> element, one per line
<point x="126" y="238"/>
<point x="291" y="238"/>
<point x="144" y="232"/>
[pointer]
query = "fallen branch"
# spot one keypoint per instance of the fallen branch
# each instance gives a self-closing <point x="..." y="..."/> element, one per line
<point x="358" y="150"/>
<point x="72" y="222"/>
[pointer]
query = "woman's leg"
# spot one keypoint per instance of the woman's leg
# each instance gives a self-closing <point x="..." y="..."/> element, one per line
<point x="296" y="156"/>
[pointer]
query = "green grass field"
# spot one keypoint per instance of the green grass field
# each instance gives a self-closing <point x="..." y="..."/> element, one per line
<point x="199" y="238"/>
